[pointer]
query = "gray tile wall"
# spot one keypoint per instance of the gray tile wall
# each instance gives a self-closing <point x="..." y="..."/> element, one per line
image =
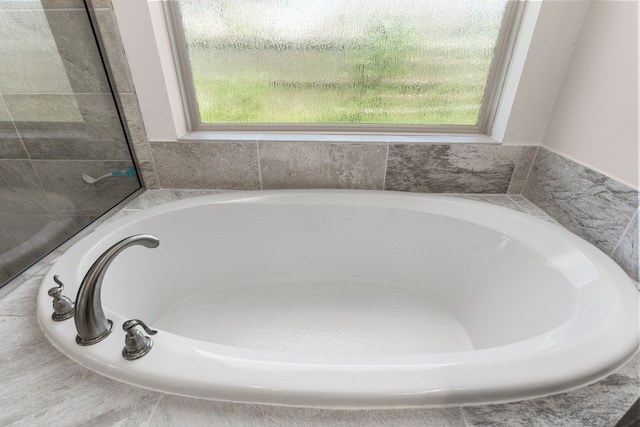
<point x="591" y="205"/>
<point x="57" y="121"/>
<point x="435" y="168"/>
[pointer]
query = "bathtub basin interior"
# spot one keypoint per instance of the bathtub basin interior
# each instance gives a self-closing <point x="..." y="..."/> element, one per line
<point x="408" y="295"/>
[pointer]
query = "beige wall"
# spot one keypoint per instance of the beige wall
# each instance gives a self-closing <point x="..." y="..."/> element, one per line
<point x="595" y="117"/>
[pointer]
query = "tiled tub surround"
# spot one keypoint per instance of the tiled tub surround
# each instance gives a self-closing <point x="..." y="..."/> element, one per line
<point x="34" y="374"/>
<point x="591" y="205"/>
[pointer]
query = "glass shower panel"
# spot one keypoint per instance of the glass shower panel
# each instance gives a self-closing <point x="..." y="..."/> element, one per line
<point x="59" y="127"/>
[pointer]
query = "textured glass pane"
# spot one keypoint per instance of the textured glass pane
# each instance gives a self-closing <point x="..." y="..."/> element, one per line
<point x="341" y="61"/>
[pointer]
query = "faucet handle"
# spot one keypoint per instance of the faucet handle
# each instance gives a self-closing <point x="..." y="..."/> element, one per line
<point x="62" y="305"/>
<point x="136" y="344"/>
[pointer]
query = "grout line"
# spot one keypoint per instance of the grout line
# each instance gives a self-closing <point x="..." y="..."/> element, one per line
<point x="624" y="232"/>
<point x="528" y="174"/>
<point x="259" y="165"/>
<point x="153" y="411"/>
<point x="386" y="165"/>
<point x="464" y="417"/>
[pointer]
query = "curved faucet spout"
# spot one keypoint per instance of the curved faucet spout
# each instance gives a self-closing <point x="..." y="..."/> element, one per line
<point x="91" y="323"/>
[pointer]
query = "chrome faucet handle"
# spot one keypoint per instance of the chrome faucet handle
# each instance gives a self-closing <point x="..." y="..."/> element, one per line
<point x="136" y="344"/>
<point x="62" y="305"/>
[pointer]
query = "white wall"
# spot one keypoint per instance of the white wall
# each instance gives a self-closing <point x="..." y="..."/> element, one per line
<point x="595" y="117"/>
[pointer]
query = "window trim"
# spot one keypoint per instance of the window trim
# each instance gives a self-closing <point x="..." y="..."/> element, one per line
<point x="495" y="84"/>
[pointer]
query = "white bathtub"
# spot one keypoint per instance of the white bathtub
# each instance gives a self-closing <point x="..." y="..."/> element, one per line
<point x="353" y="299"/>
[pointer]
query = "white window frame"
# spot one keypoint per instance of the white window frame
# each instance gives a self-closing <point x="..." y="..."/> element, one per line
<point x="543" y="47"/>
<point x="495" y="82"/>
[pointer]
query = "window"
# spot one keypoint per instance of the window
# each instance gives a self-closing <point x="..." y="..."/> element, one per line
<point x="341" y="65"/>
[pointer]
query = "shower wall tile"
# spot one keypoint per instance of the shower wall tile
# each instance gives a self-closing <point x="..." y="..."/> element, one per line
<point x="80" y="55"/>
<point x="35" y="66"/>
<point x="322" y="165"/>
<point x="521" y="172"/>
<point x="20" y="189"/>
<point x="111" y="43"/>
<point x="584" y="201"/>
<point x="469" y="168"/>
<point x="70" y="195"/>
<point x="38" y="4"/>
<point x="25" y="237"/>
<point x="202" y="164"/>
<point x="10" y="144"/>
<point x="626" y="253"/>
<point x="82" y="126"/>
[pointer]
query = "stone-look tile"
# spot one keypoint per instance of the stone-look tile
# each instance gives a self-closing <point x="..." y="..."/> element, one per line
<point x="600" y="404"/>
<point x="38" y="4"/>
<point x="70" y="195"/>
<point x="589" y="204"/>
<point x="494" y="199"/>
<point x="22" y="300"/>
<point x="113" y="49"/>
<point x="521" y="172"/>
<point x="532" y="209"/>
<point x="151" y="198"/>
<point x="322" y="165"/>
<point x="135" y="125"/>
<point x="20" y="189"/>
<point x="81" y="126"/>
<point x="632" y="417"/>
<point x="4" y="275"/>
<point x="77" y="48"/>
<point x="450" y="168"/>
<point x="35" y="65"/>
<point x="626" y="253"/>
<point x="174" y="410"/>
<point x="41" y="387"/>
<point x="10" y="144"/>
<point x="196" y="164"/>
<point x="25" y="237"/>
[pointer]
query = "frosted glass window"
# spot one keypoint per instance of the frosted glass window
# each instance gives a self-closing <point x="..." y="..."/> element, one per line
<point x="341" y="61"/>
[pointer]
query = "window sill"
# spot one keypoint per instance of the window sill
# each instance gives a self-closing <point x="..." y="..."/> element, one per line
<point x="352" y="138"/>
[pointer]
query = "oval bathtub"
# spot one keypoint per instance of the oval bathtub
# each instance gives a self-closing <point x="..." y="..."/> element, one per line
<point x="352" y="299"/>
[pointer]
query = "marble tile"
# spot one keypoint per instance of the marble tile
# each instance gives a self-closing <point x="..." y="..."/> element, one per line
<point x="22" y="300"/>
<point x="26" y="237"/>
<point x="81" y="126"/>
<point x="450" y="168"/>
<point x="38" y="4"/>
<point x="494" y="199"/>
<point x="113" y="49"/>
<point x="135" y="125"/>
<point x="521" y="172"/>
<point x="600" y="404"/>
<point x="78" y="50"/>
<point x="70" y="195"/>
<point x="151" y="198"/>
<point x="322" y="165"/>
<point x="41" y="387"/>
<point x="626" y="252"/>
<point x="532" y="209"/>
<point x="632" y="417"/>
<point x="589" y="204"/>
<point x="148" y="175"/>
<point x="20" y="189"/>
<point x="10" y="144"/>
<point x="31" y="62"/>
<point x="202" y="164"/>
<point x="174" y="410"/>
<point x="4" y="275"/>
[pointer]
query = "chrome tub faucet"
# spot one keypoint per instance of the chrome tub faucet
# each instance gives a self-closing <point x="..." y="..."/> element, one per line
<point x="91" y="323"/>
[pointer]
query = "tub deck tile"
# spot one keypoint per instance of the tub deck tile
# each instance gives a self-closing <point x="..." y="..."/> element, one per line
<point x="175" y="410"/>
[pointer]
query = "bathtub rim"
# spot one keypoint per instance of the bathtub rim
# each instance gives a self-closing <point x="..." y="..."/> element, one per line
<point x="164" y="342"/>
